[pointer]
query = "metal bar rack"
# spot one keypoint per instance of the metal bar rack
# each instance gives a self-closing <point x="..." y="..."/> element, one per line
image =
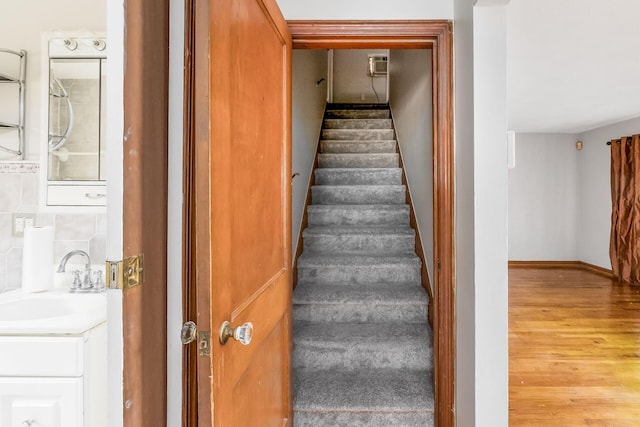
<point x="20" y="80"/>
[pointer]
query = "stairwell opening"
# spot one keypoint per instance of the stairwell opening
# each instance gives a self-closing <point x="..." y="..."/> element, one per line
<point x="363" y="240"/>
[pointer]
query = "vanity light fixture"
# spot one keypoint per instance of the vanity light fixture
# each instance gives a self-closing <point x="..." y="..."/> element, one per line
<point x="92" y="42"/>
<point x="71" y="44"/>
<point x="99" y="44"/>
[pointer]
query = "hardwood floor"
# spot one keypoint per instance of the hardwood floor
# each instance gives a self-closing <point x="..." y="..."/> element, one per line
<point x="574" y="349"/>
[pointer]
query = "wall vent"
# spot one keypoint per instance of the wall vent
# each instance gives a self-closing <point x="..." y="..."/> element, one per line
<point x="377" y="65"/>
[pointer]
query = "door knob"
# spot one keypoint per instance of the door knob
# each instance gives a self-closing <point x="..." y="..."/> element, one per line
<point x="188" y="333"/>
<point x="242" y="333"/>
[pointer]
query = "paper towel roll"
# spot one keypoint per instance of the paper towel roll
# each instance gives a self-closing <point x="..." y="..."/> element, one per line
<point x="37" y="259"/>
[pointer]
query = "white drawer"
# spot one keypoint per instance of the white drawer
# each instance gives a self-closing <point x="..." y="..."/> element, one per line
<point x="50" y="402"/>
<point x="76" y="195"/>
<point x="27" y="356"/>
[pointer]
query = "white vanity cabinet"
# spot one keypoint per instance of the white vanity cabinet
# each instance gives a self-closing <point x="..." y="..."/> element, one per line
<point x="53" y="380"/>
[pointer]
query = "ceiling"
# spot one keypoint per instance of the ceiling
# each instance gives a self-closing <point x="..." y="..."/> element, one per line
<point x="572" y="65"/>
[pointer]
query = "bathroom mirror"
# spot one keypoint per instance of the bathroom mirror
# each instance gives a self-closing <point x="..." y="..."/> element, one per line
<point x="75" y="140"/>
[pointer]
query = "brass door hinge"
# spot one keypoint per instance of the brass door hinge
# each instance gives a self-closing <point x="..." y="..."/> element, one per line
<point x="125" y="274"/>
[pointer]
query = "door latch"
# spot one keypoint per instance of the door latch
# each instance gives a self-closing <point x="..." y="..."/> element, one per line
<point x="189" y="333"/>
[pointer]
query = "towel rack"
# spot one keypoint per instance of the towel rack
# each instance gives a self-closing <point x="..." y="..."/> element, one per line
<point x="20" y="80"/>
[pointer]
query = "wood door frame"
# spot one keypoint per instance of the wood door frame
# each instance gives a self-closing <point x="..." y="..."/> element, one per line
<point x="196" y="300"/>
<point x="144" y="210"/>
<point x="434" y="35"/>
<point x="437" y="36"/>
<point x="189" y="297"/>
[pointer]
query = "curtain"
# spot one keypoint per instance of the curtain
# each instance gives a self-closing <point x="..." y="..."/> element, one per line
<point x="624" y="247"/>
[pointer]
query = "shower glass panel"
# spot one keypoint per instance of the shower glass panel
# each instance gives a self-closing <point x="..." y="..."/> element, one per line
<point x="76" y="112"/>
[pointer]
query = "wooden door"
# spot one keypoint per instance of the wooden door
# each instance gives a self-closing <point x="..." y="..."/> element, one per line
<point x="247" y="219"/>
<point x="144" y="211"/>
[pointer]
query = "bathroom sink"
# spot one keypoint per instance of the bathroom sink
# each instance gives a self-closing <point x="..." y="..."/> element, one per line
<point x="52" y="312"/>
<point x="34" y="308"/>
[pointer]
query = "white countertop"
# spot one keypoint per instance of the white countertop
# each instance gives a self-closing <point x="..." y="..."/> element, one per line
<point x="52" y="312"/>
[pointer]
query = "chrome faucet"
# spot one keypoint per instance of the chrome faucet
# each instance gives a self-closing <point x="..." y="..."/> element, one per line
<point x="86" y="285"/>
<point x="63" y="262"/>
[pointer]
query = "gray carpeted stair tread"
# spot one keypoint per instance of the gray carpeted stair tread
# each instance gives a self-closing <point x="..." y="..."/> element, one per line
<point x="357" y="106"/>
<point x="358" y="176"/>
<point x="360" y="187"/>
<point x="357" y="345"/>
<point x="370" y="302"/>
<point x="371" y="390"/>
<point x="358" y="134"/>
<point x="365" y="123"/>
<point x="360" y="141"/>
<point x="357" y="268"/>
<point x="345" y="146"/>
<point x="358" y="160"/>
<point x="358" y="194"/>
<point x="376" y="260"/>
<point x="376" y="230"/>
<point x="359" y="239"/>
<point x="363" y="419"/>
<point x="358" y="114"/>
<point x="369" y="214"/>
<point x="371" y="332"/>
<point x="406" y="294"/>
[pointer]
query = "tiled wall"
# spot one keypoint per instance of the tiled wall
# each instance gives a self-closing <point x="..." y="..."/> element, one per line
<point x="19" y="193"/>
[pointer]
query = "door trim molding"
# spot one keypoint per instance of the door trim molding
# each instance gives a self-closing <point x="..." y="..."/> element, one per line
<point x="437" y="36"/>
<point x="197" y="393"/>
<point x="189" y="297"/>
<point x="144" y="209"/>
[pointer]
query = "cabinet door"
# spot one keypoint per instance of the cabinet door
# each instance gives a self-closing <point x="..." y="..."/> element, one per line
<point x="41" y="402"/>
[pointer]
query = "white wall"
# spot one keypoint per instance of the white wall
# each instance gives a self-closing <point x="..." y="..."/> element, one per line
<point x="21" y="26"/>
<point x="560" y="198"/>
<point x="490" y="215"/>
<point x="411" y="105"/>
<point x="308" y="102"/>
<point x="115" y="133"/>
<point x="364" y="9"/>
<point x="174" y="212"/>
<point x="544" y="198"/>
<point x="595" y="191"/>
<point x="351" y="82"/>
<point x="465" y="310"/>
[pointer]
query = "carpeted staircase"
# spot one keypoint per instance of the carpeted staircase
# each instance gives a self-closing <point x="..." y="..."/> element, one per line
<point x="362" y="344"/>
